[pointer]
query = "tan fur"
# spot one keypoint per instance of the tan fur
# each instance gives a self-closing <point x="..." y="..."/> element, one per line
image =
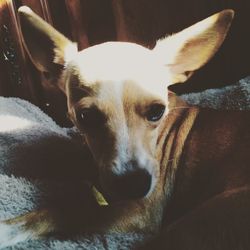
<point x="197" y="158"/>
<point x="176" y="129"/>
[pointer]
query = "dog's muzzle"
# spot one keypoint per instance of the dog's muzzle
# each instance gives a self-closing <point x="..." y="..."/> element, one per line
<point x="133" y="184"/>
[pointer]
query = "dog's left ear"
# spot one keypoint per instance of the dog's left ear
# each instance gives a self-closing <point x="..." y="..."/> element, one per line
<point x="48" y="49"/>
<point x="188" y="50"/>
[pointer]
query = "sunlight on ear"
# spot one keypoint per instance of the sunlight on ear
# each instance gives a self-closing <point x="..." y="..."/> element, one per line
<point x="203" y="33"/>
<point x="13" y="123"/>
<point x="206" y="25"/>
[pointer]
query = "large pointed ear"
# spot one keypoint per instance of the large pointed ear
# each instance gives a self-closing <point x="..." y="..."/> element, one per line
<point x="190" y="49"/>
<point x="48" y="49"/>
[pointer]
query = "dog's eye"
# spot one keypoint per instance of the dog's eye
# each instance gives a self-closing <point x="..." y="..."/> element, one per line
<point x="90" y="118"/>
<point x="155" y="112"/>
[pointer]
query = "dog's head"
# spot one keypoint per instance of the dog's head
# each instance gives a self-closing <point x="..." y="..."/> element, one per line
<point x="117" y="92"/>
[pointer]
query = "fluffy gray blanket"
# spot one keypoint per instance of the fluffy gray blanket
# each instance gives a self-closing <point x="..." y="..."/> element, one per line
<point x="33" y="148"/>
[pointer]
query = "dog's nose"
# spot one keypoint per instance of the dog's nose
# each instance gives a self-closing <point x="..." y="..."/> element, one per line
<point x="133" y="185"/>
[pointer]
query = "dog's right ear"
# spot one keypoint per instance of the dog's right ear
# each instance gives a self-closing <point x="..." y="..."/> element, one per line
<point x="190" y="49"/>
<point x="48" y="49"/>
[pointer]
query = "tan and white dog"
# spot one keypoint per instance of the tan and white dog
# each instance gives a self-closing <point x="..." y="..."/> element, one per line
<point x="157" y="158"/>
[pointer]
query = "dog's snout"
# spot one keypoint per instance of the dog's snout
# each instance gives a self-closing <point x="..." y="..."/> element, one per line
<point x="133" y="185"/>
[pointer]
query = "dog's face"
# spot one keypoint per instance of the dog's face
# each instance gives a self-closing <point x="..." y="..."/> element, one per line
<point x="117" y="99"/>
<point x="117" y="93"/>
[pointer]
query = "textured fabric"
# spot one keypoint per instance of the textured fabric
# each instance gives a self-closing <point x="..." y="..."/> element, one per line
<point x="33" y="148"/>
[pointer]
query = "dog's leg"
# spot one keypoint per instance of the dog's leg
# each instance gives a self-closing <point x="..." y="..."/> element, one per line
<point x="123" y="217"/>
<point x="25" y="227"/>
<point x="61" y="217"/>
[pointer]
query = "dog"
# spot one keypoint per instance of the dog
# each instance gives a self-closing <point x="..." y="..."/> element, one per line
<point x="163" y="166"/>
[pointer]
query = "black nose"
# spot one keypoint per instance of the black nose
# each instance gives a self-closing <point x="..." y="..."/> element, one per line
<point x="132" y="185"/>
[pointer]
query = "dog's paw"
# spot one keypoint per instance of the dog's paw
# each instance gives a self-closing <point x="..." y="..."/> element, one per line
<point x="11" y="234"/>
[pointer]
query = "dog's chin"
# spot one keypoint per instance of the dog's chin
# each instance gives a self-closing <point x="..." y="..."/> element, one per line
<point x="110" y="196"/>
<point x="113" y="197"/>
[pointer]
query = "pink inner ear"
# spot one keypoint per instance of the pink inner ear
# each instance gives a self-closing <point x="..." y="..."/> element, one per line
<point x="190" y="49"/>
